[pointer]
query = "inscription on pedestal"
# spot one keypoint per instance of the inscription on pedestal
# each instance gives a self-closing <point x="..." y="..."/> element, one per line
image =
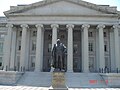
<point x="58" y="81"/>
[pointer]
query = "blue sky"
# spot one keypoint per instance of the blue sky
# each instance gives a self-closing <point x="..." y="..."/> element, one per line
<point x="5" y="4"/>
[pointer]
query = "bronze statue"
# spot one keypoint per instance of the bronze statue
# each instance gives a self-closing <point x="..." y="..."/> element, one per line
<point x="58" y="56"/>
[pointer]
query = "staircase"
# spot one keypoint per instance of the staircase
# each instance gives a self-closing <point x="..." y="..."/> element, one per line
<point x="37" y="79"/>
<point x="77" y="80"/>
<point x="84" y="80"/>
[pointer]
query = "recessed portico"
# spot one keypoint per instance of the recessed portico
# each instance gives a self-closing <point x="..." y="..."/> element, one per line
<point x="43" y="36"/>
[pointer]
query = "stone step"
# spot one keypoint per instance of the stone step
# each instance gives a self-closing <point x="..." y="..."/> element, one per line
<point x="84" y="80"/>
<point x="72" y="79"/>
<point x="35" y="79"/>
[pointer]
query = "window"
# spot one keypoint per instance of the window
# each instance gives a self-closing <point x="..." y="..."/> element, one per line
<point x="105" y="47"/>
<point x="49" y="47"/>
<point x="19" y="45"/>
<point x="90" y="46"/>
<point x="90" y="34"/>
<point x="107" y="62"/>
<point x="33" y="61"/>
<point x="0" y="64"/>
<point x="75" y="64"/>
<point x="49" y="36"/>
<point x="18" y="63"/>
<point x="105" y="34"/>
<point x="34" y="33"/>
<point x="20" y="33"/>
<point x="0" y="61"/>
<point x="91" y="64"/>
<point x="75" y="49"/>
<point x="1" y="47"/>
<point x="33" y="45"/>
<point x="49" y="62"/>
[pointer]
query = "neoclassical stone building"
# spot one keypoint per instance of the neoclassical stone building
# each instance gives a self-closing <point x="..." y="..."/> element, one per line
<point x="90" y="32"/>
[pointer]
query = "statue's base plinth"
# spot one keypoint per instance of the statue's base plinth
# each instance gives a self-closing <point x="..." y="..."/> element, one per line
<point x="58" y="81"/>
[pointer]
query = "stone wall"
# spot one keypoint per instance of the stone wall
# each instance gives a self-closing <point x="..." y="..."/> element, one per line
<point x="9" y="77"/>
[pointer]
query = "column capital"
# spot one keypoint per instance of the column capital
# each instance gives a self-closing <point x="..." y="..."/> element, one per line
<point x="101" y="26"/>
<point x="116" y="26"/>
<point x="70" y="26"/>
<point x="54" y="25"/>
<point x="39" y="26"/>
<point x="85" y="26"/>
<point x="24" y="25"/>
<point x="9" y="25"/>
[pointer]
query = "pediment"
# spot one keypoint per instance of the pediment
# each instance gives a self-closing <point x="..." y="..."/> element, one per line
<point x="59" y="7"/>
<point x="62" y="8"/>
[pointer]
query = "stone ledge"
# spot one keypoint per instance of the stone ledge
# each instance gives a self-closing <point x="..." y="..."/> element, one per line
<point x="9" y="77"/>
<point x="111" y="74"/>
<point x="111" y="79"/>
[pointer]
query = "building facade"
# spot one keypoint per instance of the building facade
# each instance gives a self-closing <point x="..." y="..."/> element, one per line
<point x="90" y="32"/>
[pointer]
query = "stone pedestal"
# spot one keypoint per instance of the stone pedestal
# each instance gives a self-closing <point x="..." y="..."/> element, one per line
<point x="58" y="81"/>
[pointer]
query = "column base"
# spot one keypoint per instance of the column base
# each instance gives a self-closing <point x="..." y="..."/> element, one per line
<point x="6" y="69"/>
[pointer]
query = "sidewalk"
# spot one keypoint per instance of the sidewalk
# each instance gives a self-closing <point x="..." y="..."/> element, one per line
<point x="46" y="88"/>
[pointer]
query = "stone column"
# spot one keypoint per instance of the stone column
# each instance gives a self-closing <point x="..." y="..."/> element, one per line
<point x="85" y="53"/>
<point x="54" y="33"/>
<point x="27" y="50"/>
<point x="7" y="47"/>
<point x="70" y="48"/>
<point x="38" y="62"/>
<point x="42" y="45"/>
<point x="112" y="50"/>
<point x="116" y="46"/>
<point x="97" y="52"/>
<point x="13" y="50"/>
<point x="23" y="47"/>
<point x="101" y="46"/>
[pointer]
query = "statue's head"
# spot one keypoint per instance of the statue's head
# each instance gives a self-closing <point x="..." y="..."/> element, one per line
<point x="58" y="41"/>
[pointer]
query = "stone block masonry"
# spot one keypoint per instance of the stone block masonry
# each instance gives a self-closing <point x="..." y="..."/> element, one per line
<point x="9" y="77"/>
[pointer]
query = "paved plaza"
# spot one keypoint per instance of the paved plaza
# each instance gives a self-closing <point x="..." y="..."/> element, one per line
<point x="46" y="88"/>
